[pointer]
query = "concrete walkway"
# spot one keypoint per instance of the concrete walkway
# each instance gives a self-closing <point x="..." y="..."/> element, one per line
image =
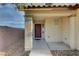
<point x="40" y="48"/>
<point x="58" y="46"/>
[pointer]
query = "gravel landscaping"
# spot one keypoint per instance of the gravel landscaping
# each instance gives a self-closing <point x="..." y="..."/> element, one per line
<point x="65" y="53"/>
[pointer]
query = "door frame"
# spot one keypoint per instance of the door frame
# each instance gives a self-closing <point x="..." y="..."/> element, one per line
<point x="34" y="31"/>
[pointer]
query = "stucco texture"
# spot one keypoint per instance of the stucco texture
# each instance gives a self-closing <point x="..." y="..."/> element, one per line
<point x="11" y="41"/>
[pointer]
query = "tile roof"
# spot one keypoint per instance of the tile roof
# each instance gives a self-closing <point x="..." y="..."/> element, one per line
<point x="48" y="5"/>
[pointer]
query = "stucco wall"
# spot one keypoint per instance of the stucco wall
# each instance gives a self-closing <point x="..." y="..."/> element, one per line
<point x="28" y="34"/>
<point x="11" y="41"/>
<point x="53" y="30"/>
<point x="72" y="32"/>
<point x="68" y="31"/>
<point x="77" y="29"/>
<point x="65" y="30"/>
<point x="61" y="30"/>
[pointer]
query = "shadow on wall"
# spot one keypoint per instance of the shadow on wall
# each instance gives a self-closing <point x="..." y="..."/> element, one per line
<point x="11" y="41"/>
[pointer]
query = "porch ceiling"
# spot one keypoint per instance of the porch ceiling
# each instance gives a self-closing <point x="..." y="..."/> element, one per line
<point x="44" y="12"/>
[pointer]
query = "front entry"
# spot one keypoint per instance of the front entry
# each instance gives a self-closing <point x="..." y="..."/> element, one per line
<point x="37" y="31"/>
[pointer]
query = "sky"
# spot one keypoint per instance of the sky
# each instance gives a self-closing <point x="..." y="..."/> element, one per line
<point x="10" y="16"/>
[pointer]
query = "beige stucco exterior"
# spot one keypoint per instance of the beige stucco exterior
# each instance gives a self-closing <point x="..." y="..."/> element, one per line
<point x="77" y="29"/>
<point x="28" y="33"/>
<point x="59" y="26"/>
<point x="53" y="30"/>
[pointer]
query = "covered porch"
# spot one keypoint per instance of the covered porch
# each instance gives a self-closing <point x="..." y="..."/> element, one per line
<point x="58" y="28"/>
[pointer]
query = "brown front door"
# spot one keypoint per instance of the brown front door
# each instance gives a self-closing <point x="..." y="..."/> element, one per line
<point x="37" y="30"/>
